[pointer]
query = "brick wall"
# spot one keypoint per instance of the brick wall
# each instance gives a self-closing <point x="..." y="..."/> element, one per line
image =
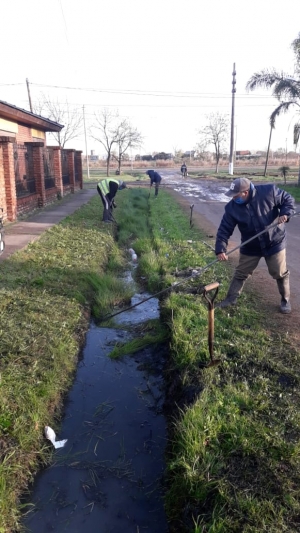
<point x="2" y="186"/>
<point x="13" y="206"/>
<point x="27" y="204"/>
<point x="23" y="135"/>
<point x="9" y="177"/>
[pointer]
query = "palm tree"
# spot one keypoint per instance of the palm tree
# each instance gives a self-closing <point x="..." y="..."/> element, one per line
<point x="285" y="88"/>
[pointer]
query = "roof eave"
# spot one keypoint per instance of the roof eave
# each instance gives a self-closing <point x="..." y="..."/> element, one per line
<point x="16" y="114"/>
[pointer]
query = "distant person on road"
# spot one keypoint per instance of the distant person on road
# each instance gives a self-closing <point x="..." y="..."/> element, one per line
<point x="108" y="188"/>
<point x="183" y="170"/>
<point x="253" y="209"/>
<point x="155" y="179"/>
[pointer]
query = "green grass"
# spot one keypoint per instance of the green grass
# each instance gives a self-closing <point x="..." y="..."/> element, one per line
<point x="233" y="461"/>
<point x="46" y="294"/>
<point x="128" y="175"/>
<point x="233" y="457"/>
<point x="294" y="190"/>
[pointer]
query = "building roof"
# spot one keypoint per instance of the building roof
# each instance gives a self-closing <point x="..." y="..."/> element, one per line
<point x="22" y="116"/>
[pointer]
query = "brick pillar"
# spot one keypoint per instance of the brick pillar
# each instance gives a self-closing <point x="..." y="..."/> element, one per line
<point x="56" y="151"/>
<point x="3" y="213"/>
<point x="71" y="168"/>
<point x="8" y="177"/>
<point x="38" y="170"/>
<point x="78" y="165"/>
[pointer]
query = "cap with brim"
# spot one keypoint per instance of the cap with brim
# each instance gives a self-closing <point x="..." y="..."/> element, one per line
<point x="238" y="185"/>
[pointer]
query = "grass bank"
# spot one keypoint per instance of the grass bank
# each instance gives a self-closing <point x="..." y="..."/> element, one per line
<point x="233" y="461"/>
<point x="233" y="456"/>
<point x="46" y="294"/>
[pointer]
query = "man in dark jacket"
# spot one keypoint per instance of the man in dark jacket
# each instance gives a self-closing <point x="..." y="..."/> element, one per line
<point x="253" y="209"/>
<point x="108" y="189"/>
<point x="183" y="170"/>
<point x="155" y="178"/>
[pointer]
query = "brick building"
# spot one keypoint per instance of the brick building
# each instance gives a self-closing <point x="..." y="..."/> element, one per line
<point x="33" y="174"/>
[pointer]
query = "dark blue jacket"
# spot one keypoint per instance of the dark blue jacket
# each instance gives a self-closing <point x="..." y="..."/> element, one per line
<point x="154" y="176"/>
<point x="265" y="204"/>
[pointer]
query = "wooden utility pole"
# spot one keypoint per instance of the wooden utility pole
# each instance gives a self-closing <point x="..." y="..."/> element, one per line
<point x="268" y="151"/>
<point x="232" y="122"/>
<point x="29" y="97"/>
<point x="86" y="150"/>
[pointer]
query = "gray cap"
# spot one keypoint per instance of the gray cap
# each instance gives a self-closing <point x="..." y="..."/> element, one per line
<point x="238" y="185"/>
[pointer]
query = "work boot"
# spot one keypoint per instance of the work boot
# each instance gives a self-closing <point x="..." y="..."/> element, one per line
<point x="106" y="216"/>
<point x="284" y="290"/>
<point x="235" y="289"/>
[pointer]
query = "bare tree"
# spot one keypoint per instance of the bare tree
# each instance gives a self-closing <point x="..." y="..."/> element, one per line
<point x="105" y="132"/>
<point x="177" y="152"/>
<point x="127" y="137"/>
<point x="115" y="135"/>
<point x="215" y="133"/>
<point x="62" y="113"/>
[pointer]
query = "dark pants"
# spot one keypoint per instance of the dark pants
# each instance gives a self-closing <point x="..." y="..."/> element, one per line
<point x="157" y="184"/>
<point x="107" y="205"/>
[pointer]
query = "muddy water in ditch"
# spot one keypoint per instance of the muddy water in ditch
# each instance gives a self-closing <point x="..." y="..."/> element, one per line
<point x="109" y="476"/>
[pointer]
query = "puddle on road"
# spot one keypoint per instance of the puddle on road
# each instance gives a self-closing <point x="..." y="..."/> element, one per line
<point x="204" y="192"/>
<point x="109" y="476"/>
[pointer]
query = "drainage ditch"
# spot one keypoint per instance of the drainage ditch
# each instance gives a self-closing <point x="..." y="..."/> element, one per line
<point x="109" y="476"/>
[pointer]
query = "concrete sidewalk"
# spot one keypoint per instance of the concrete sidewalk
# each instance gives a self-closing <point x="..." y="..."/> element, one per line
<point x="19" y="234"/>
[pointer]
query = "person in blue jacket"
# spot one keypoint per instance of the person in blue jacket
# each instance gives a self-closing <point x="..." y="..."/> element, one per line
<point x="253" y="209"/>
<point x="155" y="178"/>
<point x="107" y="189"/>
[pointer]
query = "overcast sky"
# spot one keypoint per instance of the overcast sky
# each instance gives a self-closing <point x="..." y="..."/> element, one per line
<point x="174" y="57"/>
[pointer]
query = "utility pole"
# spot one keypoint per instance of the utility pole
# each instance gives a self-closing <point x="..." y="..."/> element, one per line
<point x="296" y="140"/>
<point x="29" y="97"/>
<point x="232" y="122"/>
<point x="86" y="150"/>
<point x="268" y="151"/>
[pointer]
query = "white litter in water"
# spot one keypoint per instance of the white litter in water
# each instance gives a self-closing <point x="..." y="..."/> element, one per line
<point x="133" y="254"/>
<point x="50" y="435"/>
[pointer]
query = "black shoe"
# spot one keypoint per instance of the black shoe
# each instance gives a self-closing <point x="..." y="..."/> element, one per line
<point x="285" y="307"/>
<point x="226" y="303"/>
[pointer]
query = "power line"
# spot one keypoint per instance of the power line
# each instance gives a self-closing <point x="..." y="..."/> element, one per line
<point x="137" y="92"/>
<point x="162" y="106"/>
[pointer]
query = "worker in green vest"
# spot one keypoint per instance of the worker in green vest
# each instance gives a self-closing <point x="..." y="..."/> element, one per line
<point x="108" y="189"/>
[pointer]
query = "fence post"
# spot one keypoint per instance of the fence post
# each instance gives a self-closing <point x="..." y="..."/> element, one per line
<point x="71" y="168"/>
<point x="78" y="168"/>
<point x="56" y="150"/>
<point x="38" y="170"/>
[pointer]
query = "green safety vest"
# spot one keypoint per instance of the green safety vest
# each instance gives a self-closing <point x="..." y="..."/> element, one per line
<point x="104" y="185"/>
